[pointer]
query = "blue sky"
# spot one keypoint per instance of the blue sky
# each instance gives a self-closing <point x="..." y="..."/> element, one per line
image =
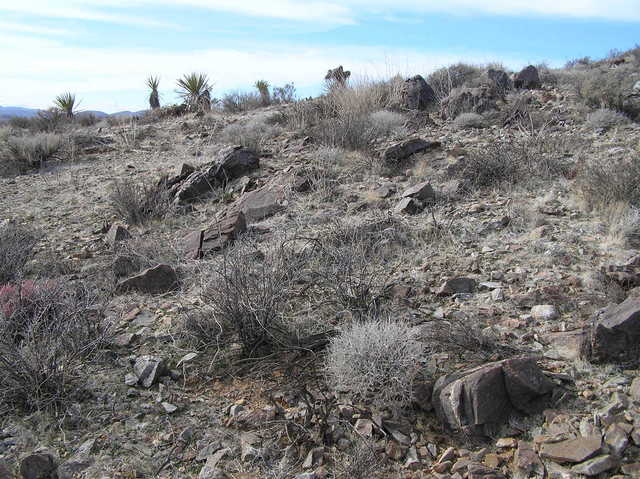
<point x="104" y="49"/>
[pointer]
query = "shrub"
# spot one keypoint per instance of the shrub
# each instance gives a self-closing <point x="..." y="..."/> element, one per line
<point x="87" y="119"/>
<point x="237" y="102"/>
<point x="360" y="461"/>
<point x="16" y="245"/>
<point x="21" y="122"/>
<point x="33" y="151"/>
<point x="606" y="118"/>
<point x="47" y="333"/>
<point x="375" y="362"/>
<point x="467" y="121"/>
<point x="446" y="79"/>
<point x="252" y="135"/>
<point x="284" y="94"/>
<point x="245" y="295"/>
<point x="610" y="88"/>
<point x="137" y="203"/>
<point x="604" y="182"/>
<point x="386" y="123"/>
<point x="66" y="103"/>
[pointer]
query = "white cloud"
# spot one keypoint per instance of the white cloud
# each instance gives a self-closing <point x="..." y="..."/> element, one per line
<point x="34" y="29"/>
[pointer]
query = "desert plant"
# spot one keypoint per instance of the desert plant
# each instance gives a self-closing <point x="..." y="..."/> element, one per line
<point x="137" y="203"/>
<point x="263" y="89"/>
<point x="66" y="103"/>
<point x="375" y="361"/>
<point x="604" y="182"/>
<point x="47" y="333"/>
<point x="153" y="82"/>
<point x="252" y="135"/>
<point x="605" y="87"/>
<point x="16" y="247"/>
<point x="466" y="121"/>
<point x="33" y="151"/>
<point x="446" y="79"/>
<point x="284" y="94"/>
<point x="87" y="119"/>
<point x="359" y="461"/>
<point x="195" y="91"/>
<point x="606" y="118"/>
<point x="237" y="102"/>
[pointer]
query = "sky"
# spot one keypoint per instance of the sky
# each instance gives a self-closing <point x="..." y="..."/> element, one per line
<point x="103" y="50"/>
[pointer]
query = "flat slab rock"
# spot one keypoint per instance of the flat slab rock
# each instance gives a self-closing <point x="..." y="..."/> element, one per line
<point x="260" y="204"/>
<point x="157" y="280"/>
<point x="216" y="237"/>
<point x="403" y="150"/>
<point x="572" y="450"/>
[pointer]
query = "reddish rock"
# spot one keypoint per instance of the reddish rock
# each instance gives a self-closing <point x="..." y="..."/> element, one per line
<point x="216" y="237"/>
<point x="572" y="450"/>
<point x="259" y="204"/>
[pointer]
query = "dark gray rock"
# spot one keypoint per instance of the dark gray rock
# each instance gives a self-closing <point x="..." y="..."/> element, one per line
<point x="500" y="78"/>
<point x="38" y="466"/>
<point x="417" y="94"/>
<point x="457" y="286"/>
<point x="528" y="78"/>
<point x="615" y="336"/>
<point x="469" y="100"/>
<point x="116" y="234"/>
<point x="404" y="149"/>
<point x="408" y="206"/>
<point x="157" y="280"/>
<point x="149" y="369"/>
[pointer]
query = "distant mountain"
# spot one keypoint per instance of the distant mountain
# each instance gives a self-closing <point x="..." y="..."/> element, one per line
<point x="7" y="112"/>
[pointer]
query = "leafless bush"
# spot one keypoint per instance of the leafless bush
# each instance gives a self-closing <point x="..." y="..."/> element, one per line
<point x="30" y="152"/>
<point x="375" y="361"/>
<point x="519" y="161"/>
<point x="610" y="88"/>
<point x="467" y="121"/>
<point x="87" y="119"/>
<point x="606" y="181"/>
<point x="137" y="203"/>
<point x="246" y="297"/>
<point x="284" y="94"/>
<point x="237" y="102"/>
<point x="47" y="333"/>
<point x="446" y="79"/>
<point x="16" y="245"/>
<point x="360" y="461"/>
<point x="252" y="135"/>
<point x="606" y="118"/>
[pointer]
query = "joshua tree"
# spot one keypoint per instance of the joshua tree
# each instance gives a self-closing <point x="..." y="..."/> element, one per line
<point x="66" y="103"/>
<point x="337" y="77"/>
<point x="263" y="88"/>
<point x="154" y="97"/>
<point x="195" y="91"/>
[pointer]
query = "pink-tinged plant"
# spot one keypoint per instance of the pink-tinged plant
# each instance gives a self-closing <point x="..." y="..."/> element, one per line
<point x="13" y="296"/>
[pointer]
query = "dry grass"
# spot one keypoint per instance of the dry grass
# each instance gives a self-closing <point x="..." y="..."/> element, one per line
<point x="467" y="121"/>
<point x="606" y="118"/>
<point x="16" y="246"/>
<point x="29" y="152"/>
<point x="604" y="182"/>
<point x="446" y="79"/>
<point x="253" y="134"/>
<point x="138" y="203"/>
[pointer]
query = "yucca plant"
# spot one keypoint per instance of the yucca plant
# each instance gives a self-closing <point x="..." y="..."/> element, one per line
<point x="263" y="88"/>
<point x="66" y="103"/>
<point x="195" y="91"/>
<point x="154" y="97"/>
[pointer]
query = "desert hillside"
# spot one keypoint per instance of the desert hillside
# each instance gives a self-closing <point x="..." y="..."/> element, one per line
<point x="405" y="278"/>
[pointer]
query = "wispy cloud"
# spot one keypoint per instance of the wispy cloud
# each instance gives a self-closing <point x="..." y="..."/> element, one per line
<point x="32" y="29"/>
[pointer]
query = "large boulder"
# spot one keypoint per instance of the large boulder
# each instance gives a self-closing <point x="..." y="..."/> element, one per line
<point x="400" y="151"/>
<point x="477" y="400"/>
<point x="469" y="100"/>
<point x="262" y="203"/>
<point x="233" y="162"/>
<point x="528" y="78"/>
<point x="38" y="466"/>
<point x="500" y="79"/>
<point x="417" y="94"/>
<point x="616" y="333"/>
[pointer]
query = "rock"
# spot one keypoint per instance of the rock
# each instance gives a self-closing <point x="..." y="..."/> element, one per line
<point x="617" y="439"/>
<point x="404" y="149"/>
<point x="412" y="461"/>
<point x="216" y="237"/>
<point x="194" y="186"/>
<point x="259" y="204"/>
<point x="635" y="436"/>
<point x="408" y="206"/>
<point x="544" y="312"/>
<point x="474" y="400"/>
<point x="571" y="450"/>
<point x="364" y="427"/>
<point x="480" y="471"/>
<point x="632" y="469"/>
<point x="210" y="469"/>
<point x="168" y="407"/>
<point x="567" y="345"/>
<point x="417" y="94"/>
<point x="528" y="78"/>
<point x="124" y="265"/>
<point x="526" y="462"/>
<point x="636" y="87"/>
<point x="78" y="462"/>
<point x="5" y="472"/>
<point x="148" y="369"/>
<point x="235" y="161"/>
<point x="421" y="191"/>
<point x="500" y="78"/>
<point x="456" y="286"/>
<point x="468" y="100"/>
<point x="157" y="280"/>
<point x="314" y="458"/>
<point x="616" y="335"/>
<point x="116" y="234"/>
<point x="506" y="442"/>
<point x="130" y="379"/>
<point x="634" y="390"/>
<point x="38" y="466"/>
<point x="595" y="466"/>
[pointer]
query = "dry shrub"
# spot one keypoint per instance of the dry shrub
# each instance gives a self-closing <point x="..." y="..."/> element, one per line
<point x="623" y="224"/>
<point x="606" y="118"/>
<point x="48" y="331"/>
<point x="252" y="135"/>
<point x="29" y="152"/>
<point x="375" y="362"/>
<point x="446" y="79"/>
<point x="522" y="161"/>
<point x="607" y="181"/>
<point x="606" y="87"/>
<point x="238" y="102"/>
<point x="137" y="203"/>
<point x="16" y="246"/>
<point x="360" y="461"/>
